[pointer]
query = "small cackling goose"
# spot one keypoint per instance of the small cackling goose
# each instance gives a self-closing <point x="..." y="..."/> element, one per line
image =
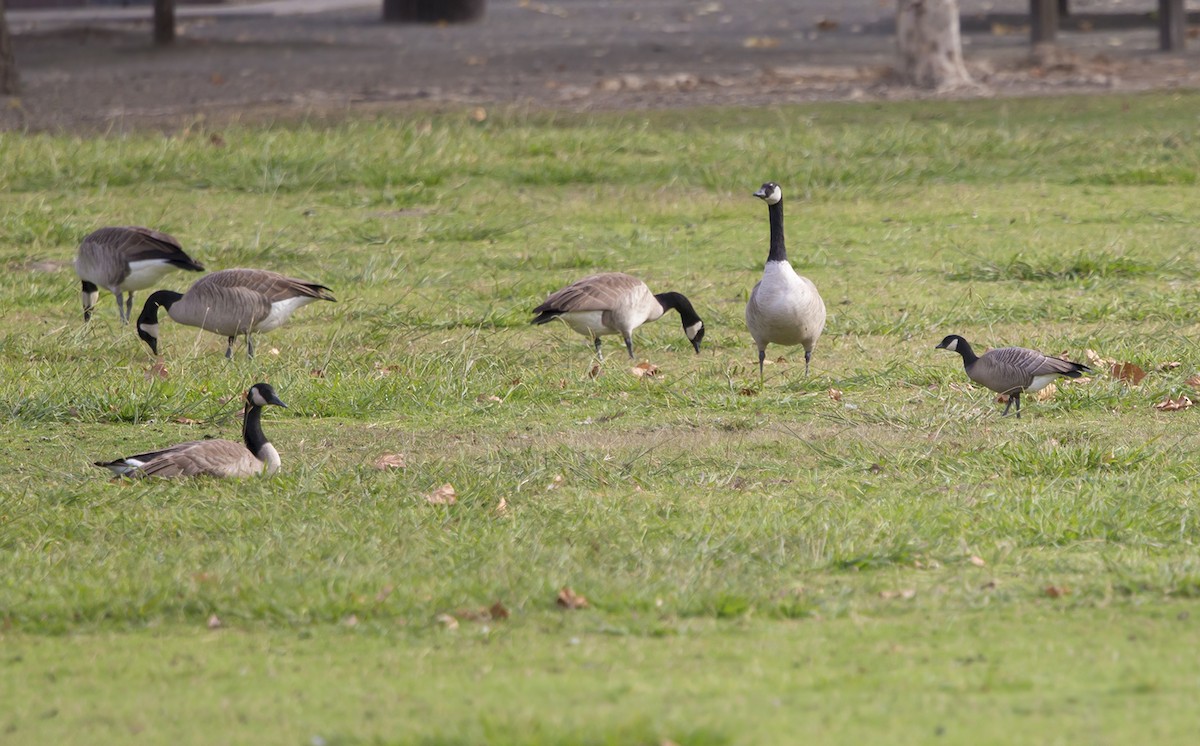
<point x="124" y="259"/>
<point x="1011" y="370"/>
<point x="784" y="307"/>
<point x="616" y="303"/>
<point x="214" y="458"/>
<point x="231" y="302"/>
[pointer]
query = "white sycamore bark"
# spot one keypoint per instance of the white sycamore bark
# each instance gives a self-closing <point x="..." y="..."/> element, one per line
<point x="930" y="45"/>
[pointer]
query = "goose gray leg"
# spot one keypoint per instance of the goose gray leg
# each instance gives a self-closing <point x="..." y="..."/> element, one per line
<point x="249" y="346"/>
<point x="128" y="308"/>
<point x="762" y="355"/>
<point x="596" y="344"/>
<point x="120" y="303"/>
<point x="807" y="357"/>
<point x="229" y="350"/>
<point x="1018" y="398"/>
<point x="629" y="345"/>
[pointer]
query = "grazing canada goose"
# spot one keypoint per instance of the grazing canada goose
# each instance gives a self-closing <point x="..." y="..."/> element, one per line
<point x="214" y="458"/>
<point x="616" y="303"/>
<point x="784" y="307"/>
<point x="1011" y="370"/>
<point x="124" y="259"/>
<point x="231" y="302"/>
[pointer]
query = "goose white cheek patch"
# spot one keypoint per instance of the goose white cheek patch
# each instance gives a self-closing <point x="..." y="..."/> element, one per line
<point x="151" y="329"/>
<point x="774" y="197"/>
<point x="693" y="330"/>
<point x="953" y="346"/>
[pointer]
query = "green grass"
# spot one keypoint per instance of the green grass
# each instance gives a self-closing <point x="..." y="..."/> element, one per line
<point x="764" y="564"/>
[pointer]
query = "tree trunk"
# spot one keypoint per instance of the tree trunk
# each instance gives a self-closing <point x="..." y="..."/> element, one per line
<point x="927" y="34"/>
<point x="164" y="21"/>
<point x="8" y="64"/>
<point x="432" y="11"/>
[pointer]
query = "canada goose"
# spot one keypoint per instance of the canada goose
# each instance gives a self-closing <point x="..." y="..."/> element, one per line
<point x="214" y="458"/>
<point x="784" y="307"/>
<point x="616" y="303"/>
<point x="1011" y="370"/>
<point x="231" y="302"/>
<point x="124" y="259"/>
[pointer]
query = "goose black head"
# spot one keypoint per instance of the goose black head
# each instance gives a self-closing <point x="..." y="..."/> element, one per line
<point x="261" y="394"/>
<point x="90" y="295"/>
<point x="695" y="333"/>
<point x="952" y="342"/>
<point x="769" y="193"/>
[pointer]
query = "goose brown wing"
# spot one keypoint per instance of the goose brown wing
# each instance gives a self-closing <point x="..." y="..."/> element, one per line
<point x="217" y="458"/>
<point x="273" y="286"/>
<point x="601" y="292"/>
<point x="137" y="243"/>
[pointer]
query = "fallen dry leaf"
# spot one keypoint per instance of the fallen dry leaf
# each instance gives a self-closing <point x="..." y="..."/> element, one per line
<point x="1096" y="361"/>
<point x="447" y="621"/>
<point x="488" y="397"/>
<point x="760" y="42"/>
<point x="554" y="483"/>
<point x="1056" y="591"/>
<point x="977" y="561"/>
<point x="748" y="391"/>
<point x="318" y="373"/>
<point x="647" y="370"/>
<point x="350" y="621"/>
<point x="827" y="24"/>
<point x="157" y="370"/>
<point x="390" y="461"/>
<point x="835" y="394"/>
<point x="595" y="371"/>
<point x="498" y="611"/>
<point x="273" y="351"/>
<point x="1193" y="381"/>
<point x="1173" y="405"/>
<point x="502" y="506"/>
<point x="1130" y="373"/>
<point x="904" y="593"/>
<point x="214" y="622"/>
<point x="444" y="495"/>
<point x="1164" y="367"/>
<point x="479" y="114"/>
<point x="1047" y="393"/>
<point x="187" y="421"/>
<point x="569" y="599"/>
<point x="989" y="586"/>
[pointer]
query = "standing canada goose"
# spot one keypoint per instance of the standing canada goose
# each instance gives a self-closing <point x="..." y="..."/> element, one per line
<point x="231" y="302"/>
<point x="1011" y="370"/>
<point x="784" y="307"/>
<point x="124" y="259"/>
<point x="616" y="303"/>
<point x="214" y="458"/>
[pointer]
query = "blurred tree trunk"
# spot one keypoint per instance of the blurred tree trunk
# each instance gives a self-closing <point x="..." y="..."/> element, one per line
<point x="164" y="21"/>
<point x="8" y="63"/>
<point x="433" y="11"/>
<point x="927" y="35"/>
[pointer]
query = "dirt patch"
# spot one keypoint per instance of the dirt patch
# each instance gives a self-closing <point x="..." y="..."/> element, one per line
<point x="88" y="75"/>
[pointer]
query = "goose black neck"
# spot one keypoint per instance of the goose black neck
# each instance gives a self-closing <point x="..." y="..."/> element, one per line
<point x="964" y="348"/>
<point x="678" y="302"/>
<point x="252" y="431"/>
<point x="778" y="250"/>
<point x="163" y="298"/>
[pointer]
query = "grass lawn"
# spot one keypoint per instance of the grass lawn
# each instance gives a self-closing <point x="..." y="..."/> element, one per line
<point x="866" y="555"/>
